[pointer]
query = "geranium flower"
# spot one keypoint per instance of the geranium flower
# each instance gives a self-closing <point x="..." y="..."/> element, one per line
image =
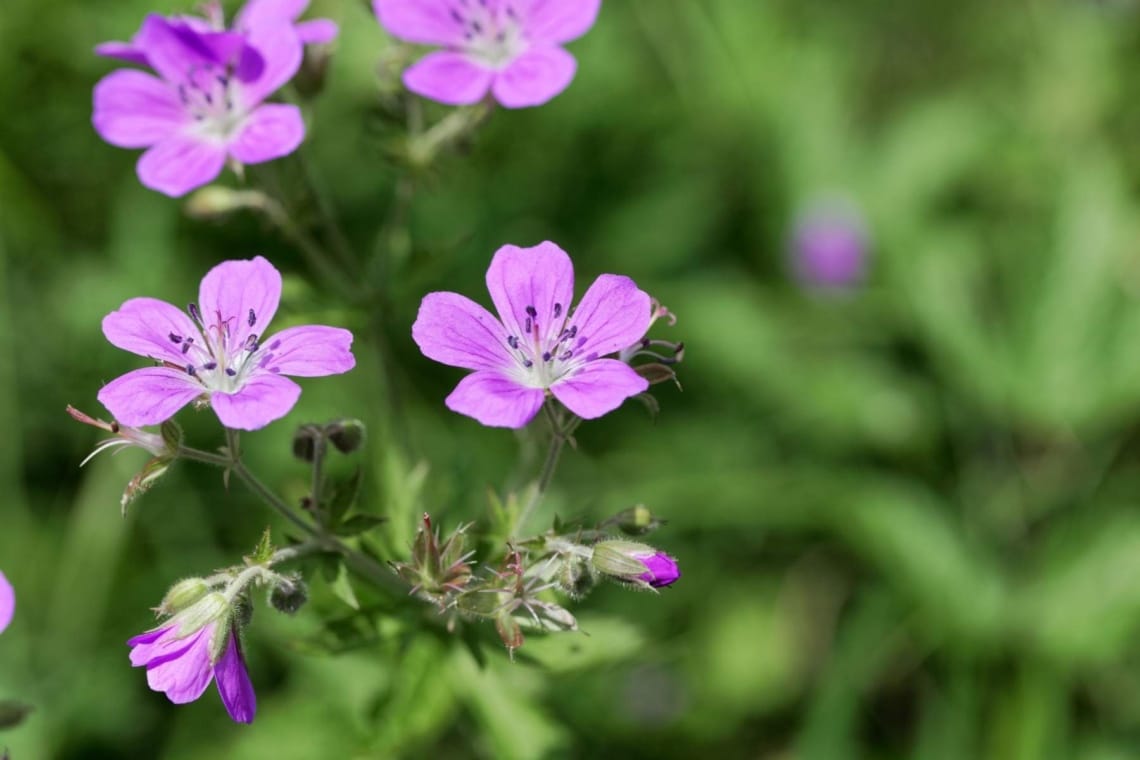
<point x="196" y="646"/>
<point x="218" y="352"/>
<point x="7" y="602"/>
<point x="511" y="48"/>
<point x="205" y="105"/>
<point x="829" y="245"/>
<point x="537" y="344"/>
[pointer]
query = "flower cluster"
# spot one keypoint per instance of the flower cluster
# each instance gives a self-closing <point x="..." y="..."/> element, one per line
<point x="203" y="100"/>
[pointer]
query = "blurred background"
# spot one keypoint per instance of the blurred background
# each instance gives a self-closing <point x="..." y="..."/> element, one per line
<point x="903" y="478"/>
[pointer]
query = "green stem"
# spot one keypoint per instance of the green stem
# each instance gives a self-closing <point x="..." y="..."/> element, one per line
<point x="558" y="439"/>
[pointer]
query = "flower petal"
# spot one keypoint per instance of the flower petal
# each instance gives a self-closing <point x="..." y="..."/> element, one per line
<point x="123" y="51"/>
<point x="174" y="47"/>
<point x="427" y="22"/>
<point x="598" y="387"/>
<point x="308" y="351"/>
<point x="180" y="163"/>
<point x="281" y="50"/>
<point x="157" y="646"/>
<point x="448" y="77"/>
<point x="185" y="677"/>
<point x="7" y="602"/>
<point x="135" y="110"/>
<point x="145" y="326"/>
<point x="271" y="131"/>
<point x="263" y="398"/>
<point x="148" y="396"/>
<point x="257" y="12"/>
<point x="235" y="290"/>
<point x="319" y="31"/>
<point x="558" y="21"/>
<point x="539" y="278"/>
<point x="454" y="330"/>
<point x="534" y="77"/>
<point x="234" y="685"/>
<point x="613" y="314"/>
<point x="494" y="400"/>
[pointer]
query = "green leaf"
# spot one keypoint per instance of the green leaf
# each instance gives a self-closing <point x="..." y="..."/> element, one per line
<point x="343" y="495"/>
<point x="342" y="587"/>
<point x="359" y="523"/>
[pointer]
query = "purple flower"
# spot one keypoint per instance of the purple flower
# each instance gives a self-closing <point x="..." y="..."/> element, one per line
<point x="634" y="563"/>
<point x="218" y="351"/>
<point x="207" y="103"/>
<point x="511" y="48"/>
<point x="536" y="344"/>
<point x="193" y="648"/>
<point x="829" y="246"/>
<point x="7" y="602"/>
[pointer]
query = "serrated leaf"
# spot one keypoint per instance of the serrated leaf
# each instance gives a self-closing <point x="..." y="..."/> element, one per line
<point x="263" y="551"/>
<point x="343" y="496"/>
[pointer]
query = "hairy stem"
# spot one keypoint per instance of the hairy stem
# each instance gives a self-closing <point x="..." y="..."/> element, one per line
<point x="558" y="438"/>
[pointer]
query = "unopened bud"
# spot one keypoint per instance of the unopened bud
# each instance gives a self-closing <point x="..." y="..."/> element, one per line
<point x="183" y="594"/>
<point x="575" y="576"/>
<point x="216" y="201"/>
<point x="347" y="435"/>
<point x="637" y="521"/>
<point x="638" y="564"/>
<point x="305" y="442"/>
<point x="288" y="595"/>
<point x="243" y="611"/>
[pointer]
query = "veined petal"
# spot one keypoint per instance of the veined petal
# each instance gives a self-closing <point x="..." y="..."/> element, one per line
<point x="233" y="292"/>
<point x="184" y="678"/>
<point x="173" y="47"/>
<point x="494" y="400"/>
<point x="148" y="327"/>
<point x="534" y="77"/>
<point x="180" y="163"/>
<point x="281" y="51"/>
<point x="613" y="314"/>
<point x="157" y="646"/>
<point x="271" y="131"/>
<point x="263" y="398"/>
<point x="454" y="330"/>
<point x="122" y="51"/>
<point x="148" y="396"/>
<point x="449" y="77"/>
<point x="233" y="682"/>
<point x="598" y="387"/>
<point x="558" y="21"/>
<point x="539" y="278"/>
<point x="7" y="602"/>
<point x="257" y="12"/>
<point x="135" y="110"/>
<point x="318" y="31"/>
<point x="427" y="22"/>
<point x="308" y="351"/>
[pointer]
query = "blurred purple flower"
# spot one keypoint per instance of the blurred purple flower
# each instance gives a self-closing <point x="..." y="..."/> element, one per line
<point x="660" y="569"/>
<point x="193" y="648"/>
<point x="829" y="246"/>
<point x="218" y="351"/>
<point x="512" y="48"/>
<point x="205" y="105"/>
<point x="635" y="563"/>
<point x="7" y="602"/>
<point x="536" y="344"/>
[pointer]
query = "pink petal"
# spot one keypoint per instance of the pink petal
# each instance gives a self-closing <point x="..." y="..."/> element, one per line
<point x="281" y="50"/>
<point x="179" y="164"/>
<point x="148" y="396"/>
<point x="539" y="278"/>
<point x="135" y="110"/>
<point x="264" y="398"/>
<point x="144" y="326"/>
<point x="534" y="77"/>
<point x="456" y="331"/>
<point x="257" y="12"/>
<point x="174" y="47"/>
<point x="271" y="131"/>
<point x="308" y="351"/>
<point x="613" y="314"/>
<point x="184" y="678"/>
<point x="428" y="22"/>
<point x="599" y="387"/>
<point x="123" y="51"/>
<point x="157" y="646"/>
<point x="232" y="290"/>
<point x="449" y="78"/>
<point x="234" y="685"/>
<point x="7" y="602"/>
<point x="319" y="31"/>
<point x="558" y="21"/>
<point x="495" y="400"/>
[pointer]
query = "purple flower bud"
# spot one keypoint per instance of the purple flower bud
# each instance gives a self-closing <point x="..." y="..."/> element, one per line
<point x="829" y="245"/>
<point x="634" y="563"/>
<point x="661" y="570"/>
<point x="7" y="602"/>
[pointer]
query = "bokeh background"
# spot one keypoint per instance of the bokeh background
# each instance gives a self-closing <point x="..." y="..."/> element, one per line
<point x="907" y="511"/>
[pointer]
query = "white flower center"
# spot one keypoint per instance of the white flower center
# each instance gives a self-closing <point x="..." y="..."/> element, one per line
<point x="218" y="362"/>
<point x="492" y="30"/>
<point x="211" y="97"/>
<point x="544" y="355"/>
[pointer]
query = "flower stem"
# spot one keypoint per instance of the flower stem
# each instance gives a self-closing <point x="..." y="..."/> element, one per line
<point x="558" y="438"/>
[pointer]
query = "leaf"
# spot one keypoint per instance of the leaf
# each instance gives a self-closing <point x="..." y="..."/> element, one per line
<point x="263" y="551"/>
<point x="359" y="523"/>
<point x="342" y="587"/>
<point x="343" y="496"/>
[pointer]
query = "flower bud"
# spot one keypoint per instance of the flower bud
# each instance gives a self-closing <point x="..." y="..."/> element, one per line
<point x="634" y="563"/>
<point x="347" y="435"/>
<point x="305" y="442"/>
<point x="636" y="521"/>
<point x="216" y="201"/>
<point x="211" y="608"/>
<point x="575" y="576"/>
<point x="182" y="595"/>
<point x="289" y="594"/>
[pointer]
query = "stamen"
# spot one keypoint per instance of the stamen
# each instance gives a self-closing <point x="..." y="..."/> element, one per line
<point x="195" y="313"/>
<point x="532" y="312"/>
<point x="231" y="371"/>
<point x="175" y="338"/>
<point x="513" y="342"/>
<point x="252" y="318"/>
<point x="557" y="310"/>
<point x="251" y="342"/>
<point x="190" y="370"/>
<point x="528" y="363"/>
<point x="566" y="355"/>
<point x="528" y="325"/>
<point x="546" y="356"/>
<point x="210" y="365"/>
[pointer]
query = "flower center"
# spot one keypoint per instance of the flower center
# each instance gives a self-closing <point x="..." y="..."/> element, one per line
<point x="217" y="361"/>
<point x="492" y="30"/>
<point x="549" y="348"/>
<point x="209" y="94"/>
